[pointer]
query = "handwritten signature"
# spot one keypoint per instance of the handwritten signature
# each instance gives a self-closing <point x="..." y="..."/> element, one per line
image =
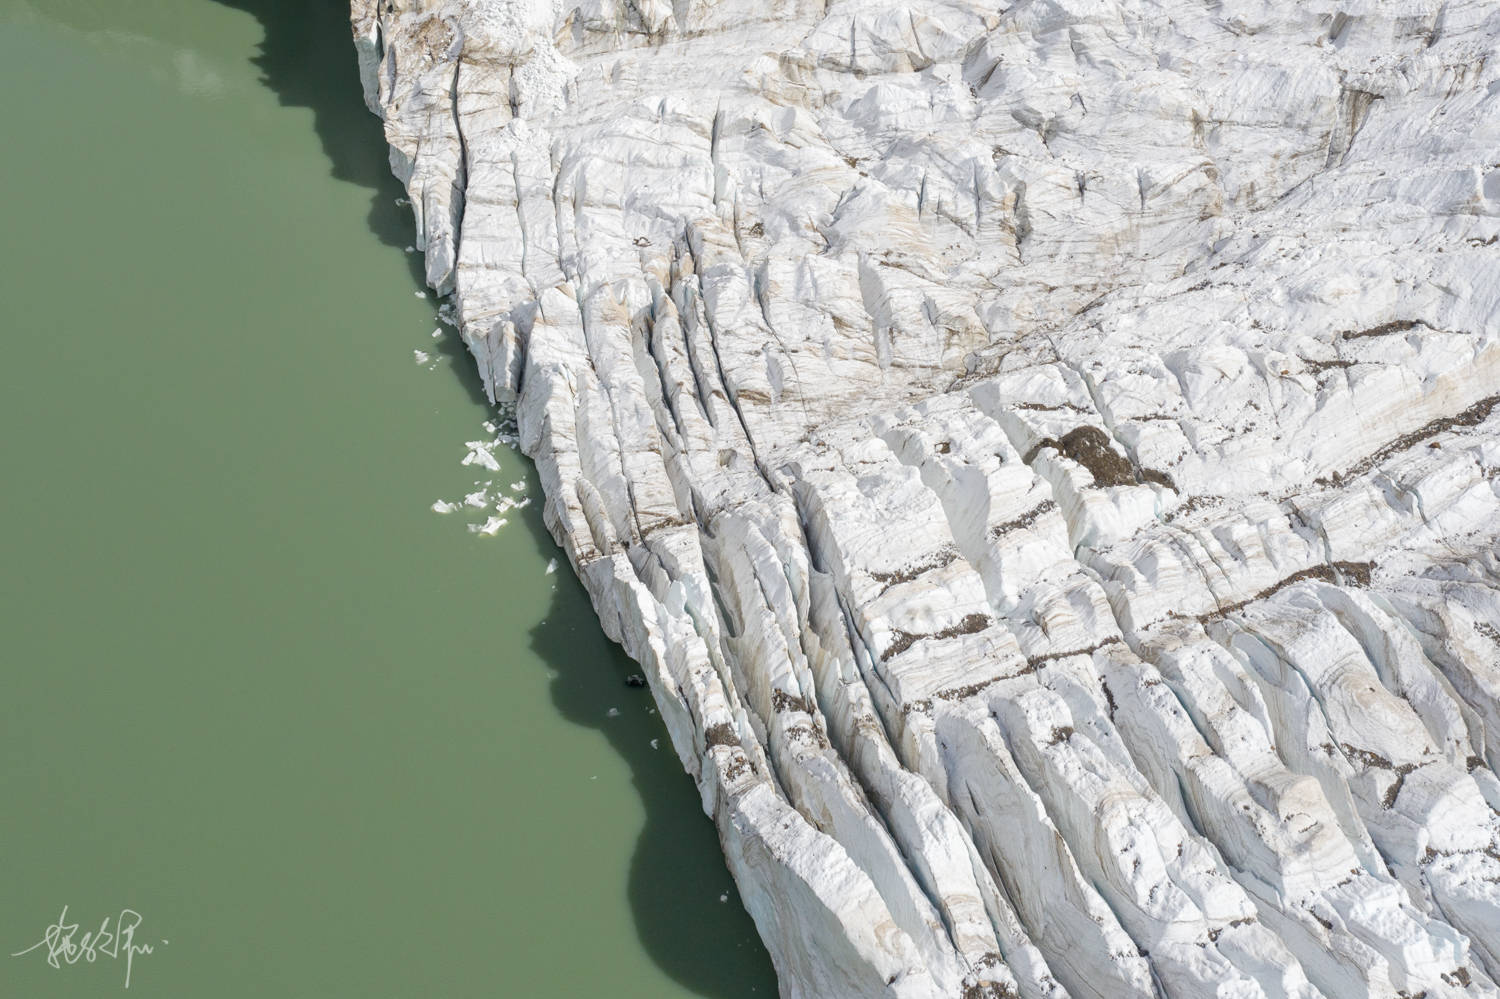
<point x="62" y="947"/>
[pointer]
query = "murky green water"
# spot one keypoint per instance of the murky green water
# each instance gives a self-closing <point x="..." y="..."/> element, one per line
<point x="323" y="740"/>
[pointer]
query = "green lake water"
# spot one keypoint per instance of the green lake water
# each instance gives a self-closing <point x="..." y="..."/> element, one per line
<point x="323" y="740"/>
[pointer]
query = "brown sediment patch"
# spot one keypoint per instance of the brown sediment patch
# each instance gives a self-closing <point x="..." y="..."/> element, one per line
<point x="806" y="733"/>
<point x="1044" y="408"/>
<point x="1471" y="417"/>
<point x="1458" y="977"/>
<point x="1366" y="758"/>
<point x="904" y="639"/>
<point x="943" y="557"/>
<point x="782" y="701"/>
<point x="1034" y="663"/>
<point x="967" y="690"/>
<point x="721" y="734"/>
<point x="1352" y="573"/>
<point x="1384" y="329"/>
<point x="1355" y="573"/>
<point x="664" y="524"/>
<point x="1025" y="520"/>
<point x="1194" y="504"/>
<point x="988" y="990"/>
<point x="1091" y="447"/>
<point x="1317" y="366"/>
<point x="1158" y="477"/>
<point x="1246" y="921"/>
<point x="1394" y="792"/>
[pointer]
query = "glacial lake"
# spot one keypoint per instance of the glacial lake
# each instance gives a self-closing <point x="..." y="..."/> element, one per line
<point x="318" y="738"/>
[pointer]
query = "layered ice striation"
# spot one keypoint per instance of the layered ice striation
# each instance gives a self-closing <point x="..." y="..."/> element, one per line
<point x="1044" y="456"/>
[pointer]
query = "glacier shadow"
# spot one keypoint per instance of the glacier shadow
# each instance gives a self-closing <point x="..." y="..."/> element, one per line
<point x="688" y="913"/>
<point x="307" y="60"/>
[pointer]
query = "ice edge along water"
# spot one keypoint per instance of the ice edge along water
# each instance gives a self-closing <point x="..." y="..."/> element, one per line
<point x="1045" y="457"/>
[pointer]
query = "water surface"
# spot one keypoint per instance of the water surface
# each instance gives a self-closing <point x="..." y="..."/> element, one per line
<point x="325" y="741"/>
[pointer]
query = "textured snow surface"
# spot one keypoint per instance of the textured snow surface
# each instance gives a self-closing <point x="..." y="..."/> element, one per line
<point x="1044" y="456"/>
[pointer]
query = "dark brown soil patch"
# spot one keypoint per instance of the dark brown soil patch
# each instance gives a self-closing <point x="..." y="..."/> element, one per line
<point x="905" y="640"/>
<point x="1471" y="417"/>
<point x="1090" y="447"/>
<point x="721" y="734"/>
<point x="1318" y="366"/>
<point x="782" y="701"/>
<point x="944" y="556"/>
<point x="1033" y="664"/>
<point x="1025" y="520"/>
<point x="1384" y="329"/>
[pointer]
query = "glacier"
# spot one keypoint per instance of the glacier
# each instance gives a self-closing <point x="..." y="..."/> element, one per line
<point x="1044" y="456"/>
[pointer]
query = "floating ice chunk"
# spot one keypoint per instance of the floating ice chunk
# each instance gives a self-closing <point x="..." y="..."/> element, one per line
<point x="613" y="713"/>
<point x="420" y="294"/>
<point x="479" y="454"/>
<point x="443" y="506"/>
<point x="490" y="527"/>
<point x="479" y="499"/>
<point x="505" y="504"/>
<point x="518" y="485"/>
<point x="551" y="566"/>
<point x="437" y="333"/>
<point x="421" y="356"/>
<point x="655" y="743"/>
<point x="410" y="249"/>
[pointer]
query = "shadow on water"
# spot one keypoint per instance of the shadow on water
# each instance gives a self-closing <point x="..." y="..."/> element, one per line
<point x="677" y="873"/>
<point x="307" y="59"/>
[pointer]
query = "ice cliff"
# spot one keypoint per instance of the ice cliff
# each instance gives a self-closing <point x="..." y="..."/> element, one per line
<point x="1045" y="457"/>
